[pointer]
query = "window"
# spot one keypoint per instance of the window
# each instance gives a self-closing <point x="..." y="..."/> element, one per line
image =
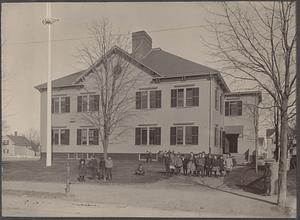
<point x="217" y="99"/>
<point x="93" y="137"/>
<point x="64" y="136"/>
<point x="87" y="103"/>
<point x="233" y="108"/>
<point x="82" y="136"/>
<point x="155" y="99"/>
<point x="71" y="155"/>
<point x="55" y="136"/>
<point x="141" y="136"/>
<point x="192" y="97"/>
<point x="177" y="98"/>
<point x="191" y="135"/>
<point x="93" y="103"/>
<point x="221" y="103"/>
<point x="65" y="104"/>
<point x="216" y="136"/>
<point x="154" y="136"/>
<point x="141" y="100"/>
<point x="55" y="105"/>
<point x="176" y="136"/>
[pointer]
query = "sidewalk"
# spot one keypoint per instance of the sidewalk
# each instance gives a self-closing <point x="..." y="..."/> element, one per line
<point x="197" y="200"/>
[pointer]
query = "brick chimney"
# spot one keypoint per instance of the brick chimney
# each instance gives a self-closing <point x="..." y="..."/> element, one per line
<point x="16" y="133"/>
<point x="141" y="44"/>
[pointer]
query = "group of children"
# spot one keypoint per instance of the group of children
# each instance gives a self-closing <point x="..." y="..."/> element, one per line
<point x="101" y="169"/>
<point x="200" y="164"/>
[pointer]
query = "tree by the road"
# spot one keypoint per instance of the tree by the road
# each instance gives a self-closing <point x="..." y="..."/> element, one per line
<point x="257" y="44"/>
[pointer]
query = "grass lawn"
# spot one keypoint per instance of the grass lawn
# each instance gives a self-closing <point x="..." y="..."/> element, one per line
<point x="37" y="171"/>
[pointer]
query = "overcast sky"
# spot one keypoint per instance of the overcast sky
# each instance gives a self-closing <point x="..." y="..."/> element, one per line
<point x="24" y="44"/>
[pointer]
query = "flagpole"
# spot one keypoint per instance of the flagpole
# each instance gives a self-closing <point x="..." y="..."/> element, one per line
<point x="48" y="21"/>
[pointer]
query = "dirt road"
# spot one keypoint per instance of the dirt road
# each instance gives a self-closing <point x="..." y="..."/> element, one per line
<point x="159" y="199"/>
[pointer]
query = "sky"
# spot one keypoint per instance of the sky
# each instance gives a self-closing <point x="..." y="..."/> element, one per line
<point x="24" y="44"/>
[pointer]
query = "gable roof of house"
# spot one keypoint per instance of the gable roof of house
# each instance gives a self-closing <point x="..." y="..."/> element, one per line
<point x="169" y="65"/>
<point x="65" y="81"/>
<point x="75" y="78"/>
<point x="20" y="141"/>
<point x="157" y="63"/>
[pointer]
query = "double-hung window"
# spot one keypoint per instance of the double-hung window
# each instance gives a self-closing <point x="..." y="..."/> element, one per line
<point x="87" y="103"/>
<point x="233" y="108"/>
<point x="192" y="97"/>
<point x="155" y="99"/>
<point x="191" y="135"/>
<point x="154" y="136"/>
<point x="93" y="137"/>
<point x="177" y="98"/>
<point x="55" y="105"/>
<point x="142" y="100"/>
<point x="140" y="136"/>
<point x="64" y="136"/>
<point x="176" y="136"/>
<point x="60" y="136"/>
<point x="65" y="104"/>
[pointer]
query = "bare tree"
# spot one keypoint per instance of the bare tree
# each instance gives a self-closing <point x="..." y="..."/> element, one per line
<point x="112" y="78"/>
<point x="33" y="136"/>
<point x="257" y="42"/>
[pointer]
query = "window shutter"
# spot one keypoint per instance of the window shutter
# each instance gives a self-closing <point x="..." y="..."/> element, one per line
<point x="173" y="98"/>
<point x="173" y="136"/>
<point x="96" y="135"/>
<point x="152" y="99"/>
<point x="158" y="99"/>
<point x="158" y="136"/>
<point x="195" y="134"/>
<point x="144" y="136"/>
<point x="78" y="136"/>
<point x="138" y="100"/>
<point x="97" y="102"/>
<point x="67" y="136"/>
<point x="67" y="104"/>
<point x="196" y="97"/>
<point x="79" y="103"/>
<point x="137" y="136"/>
<point x="239" y="108"/>
<point x="226" y="108"/>
<point x="52" y="105"/>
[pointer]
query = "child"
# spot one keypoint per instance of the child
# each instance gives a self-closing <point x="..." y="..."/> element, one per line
<point x="81" y="170"/>
<point x="228" y="164"/>
<point x="184" y="165"/>
<point x="101" y="169"/>
<point x="215" y="166"/>
<point x="267" y="180"/>
<point x="140" y="170"/>
<point x="178" y="164"/>
<point x="201" y="164"/>
<point x="108" y="168"/>
<point x="191" y="165"/>
<point x="208" y="165"/>
<point x="222" y="165"/>
<point x="93" y="165"/>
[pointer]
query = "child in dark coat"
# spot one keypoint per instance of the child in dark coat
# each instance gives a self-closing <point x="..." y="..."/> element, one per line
<point x="208" y="165"/>
<point x="140" y="170"/>
<point x="81" y="170"/>
<point x="184" y="165"/>
<point x="267" y="179"/>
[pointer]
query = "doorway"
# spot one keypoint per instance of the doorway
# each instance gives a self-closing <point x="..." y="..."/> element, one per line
<point x="231" y="143"/>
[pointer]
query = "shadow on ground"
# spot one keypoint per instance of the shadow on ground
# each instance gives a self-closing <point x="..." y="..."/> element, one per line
<point x="123" y="172"/>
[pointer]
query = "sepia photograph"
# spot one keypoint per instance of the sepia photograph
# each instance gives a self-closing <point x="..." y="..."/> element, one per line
<point x="149" y="109"/>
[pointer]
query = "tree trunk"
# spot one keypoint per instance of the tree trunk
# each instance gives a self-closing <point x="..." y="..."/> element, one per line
<point x="282" y="175"/>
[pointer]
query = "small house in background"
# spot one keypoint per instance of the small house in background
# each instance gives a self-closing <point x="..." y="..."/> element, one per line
<point x="15" y="146"/>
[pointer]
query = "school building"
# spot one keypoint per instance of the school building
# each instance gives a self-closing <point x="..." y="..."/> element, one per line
<point x="179" y="105"/>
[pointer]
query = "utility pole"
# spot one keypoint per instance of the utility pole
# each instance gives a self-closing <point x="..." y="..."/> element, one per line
<point x="48" y="21"/>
